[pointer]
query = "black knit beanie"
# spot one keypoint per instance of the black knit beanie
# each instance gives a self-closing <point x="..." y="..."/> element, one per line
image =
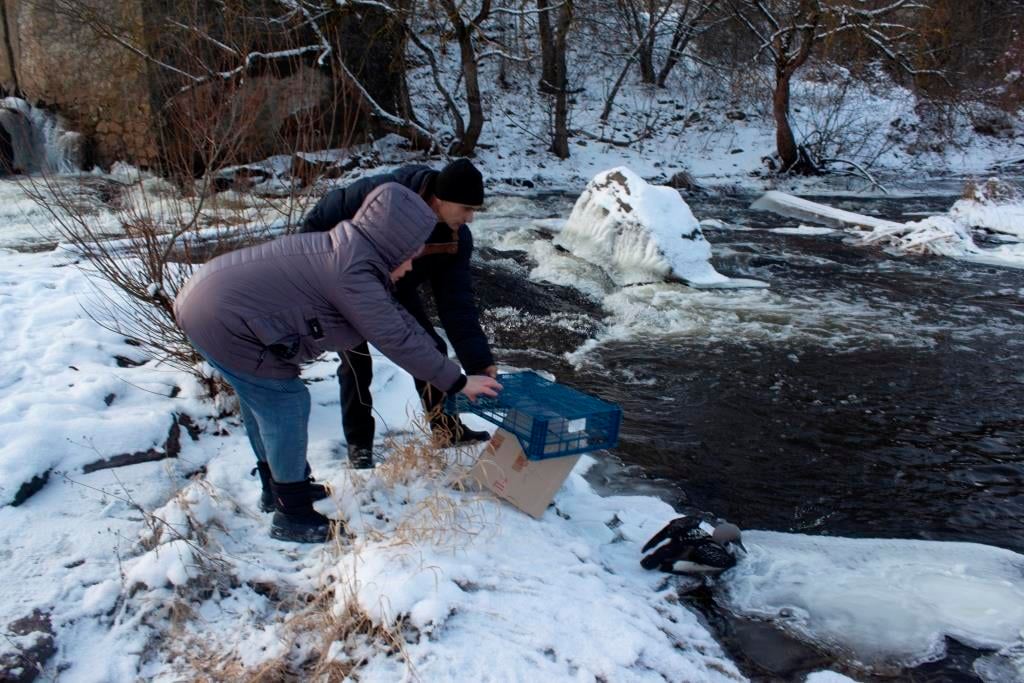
<point x="460" y="182"/>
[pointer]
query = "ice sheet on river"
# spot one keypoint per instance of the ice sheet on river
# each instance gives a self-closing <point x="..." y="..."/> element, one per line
<point x="951" y="234"/>
<point x="881" y="602"/>
<point x="639" y="233"/>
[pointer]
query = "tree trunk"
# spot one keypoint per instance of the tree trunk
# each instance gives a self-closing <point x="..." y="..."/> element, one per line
<point x="560" y="134"/>
<point x="646" y="38"/>
<point x="547" y="49"/>
<point x="610" y="100"/>
<point x="681" y="37"/>
<point x="368" y="72"/>
<point x="467" y="145"/>
<point x="470" y="74"/>
<point x="785" y="143"/>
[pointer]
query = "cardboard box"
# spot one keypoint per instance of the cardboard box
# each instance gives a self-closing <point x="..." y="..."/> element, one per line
<point x="530" y="485"/>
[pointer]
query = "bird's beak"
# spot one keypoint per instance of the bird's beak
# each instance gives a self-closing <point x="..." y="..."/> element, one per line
<point x="742" y="547"/>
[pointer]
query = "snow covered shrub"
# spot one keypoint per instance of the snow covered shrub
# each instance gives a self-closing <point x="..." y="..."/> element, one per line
<point x="433" y="486"/>
<point x="993" y="191"/>
<point x="344" y="636"/>
<point x="843" y="119"/>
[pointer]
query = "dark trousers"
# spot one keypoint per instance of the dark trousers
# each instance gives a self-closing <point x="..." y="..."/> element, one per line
<point x="356" y="372"/>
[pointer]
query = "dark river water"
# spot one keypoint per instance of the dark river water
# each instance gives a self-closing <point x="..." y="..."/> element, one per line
<point x="887" y="403"/>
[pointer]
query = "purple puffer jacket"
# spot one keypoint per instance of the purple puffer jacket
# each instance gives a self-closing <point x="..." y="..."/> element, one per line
<point x="266" y="309"/>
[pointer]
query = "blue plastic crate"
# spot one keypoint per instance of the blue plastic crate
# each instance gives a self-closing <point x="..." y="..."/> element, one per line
<point x="550" y="419"/>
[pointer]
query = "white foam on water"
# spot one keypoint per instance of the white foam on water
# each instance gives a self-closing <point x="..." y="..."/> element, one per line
<point x="24" y="222"/>
<point x="881" y="603"/>
<point x="1005" y="665"/>
<point x="669" y="311"/>
<point x="718" y="314"/>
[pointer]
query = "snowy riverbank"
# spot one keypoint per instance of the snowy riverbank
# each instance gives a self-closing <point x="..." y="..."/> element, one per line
<point x="164" y="569"/>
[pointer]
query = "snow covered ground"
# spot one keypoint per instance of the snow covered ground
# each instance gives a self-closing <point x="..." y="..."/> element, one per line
<point x="164" y="569"/>
<point x="176" y="549"/>
<point x="715" y="129"/>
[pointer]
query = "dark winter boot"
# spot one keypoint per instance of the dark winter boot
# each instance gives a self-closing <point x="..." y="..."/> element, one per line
<point x="318" y="491"/>
<point x="267" y="494"/>
<point x="450" y="431"/>
<point x="295" y="519"/>
<point x="360" y="457"/>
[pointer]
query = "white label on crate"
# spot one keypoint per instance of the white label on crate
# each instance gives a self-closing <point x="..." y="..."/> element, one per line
<point x="576" y="425"/>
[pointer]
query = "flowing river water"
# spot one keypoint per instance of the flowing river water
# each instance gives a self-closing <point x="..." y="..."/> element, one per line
<point x="862" y="395"/>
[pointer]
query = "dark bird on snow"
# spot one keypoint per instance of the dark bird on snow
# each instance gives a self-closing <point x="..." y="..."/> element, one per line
<point x="685" y="546"/>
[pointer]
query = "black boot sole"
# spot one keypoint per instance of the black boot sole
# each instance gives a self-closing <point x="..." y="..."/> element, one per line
<point x="284" y="529"/>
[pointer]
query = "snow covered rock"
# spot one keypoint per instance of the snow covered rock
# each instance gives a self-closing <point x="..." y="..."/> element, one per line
<point x="994" y="206"/>
<point x="638" y="233"/>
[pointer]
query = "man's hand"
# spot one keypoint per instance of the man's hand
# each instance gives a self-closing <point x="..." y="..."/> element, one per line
<point x="491" y="371"/>
<point x="480" y="385"/>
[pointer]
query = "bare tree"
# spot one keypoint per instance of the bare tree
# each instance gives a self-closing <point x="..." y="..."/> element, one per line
<point x="464" y="32"/>
<point x="560" y="41"/>
<point x="230" y="86"/>
<point x="546" y="38"/>
<point x="645" y="17"/>
<point x="690" y="19"/>
<point x="788" y="32"/>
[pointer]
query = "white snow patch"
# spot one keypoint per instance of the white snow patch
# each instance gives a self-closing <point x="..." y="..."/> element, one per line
<point x="828" y="677"/>
<point x="804" y="230"/>
<point x="171" y="564"/>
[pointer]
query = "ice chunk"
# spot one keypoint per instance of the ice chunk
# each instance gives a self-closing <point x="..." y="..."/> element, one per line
<point x="882" y="603"/>
<point x="637" y="233"/>
<point x="805" y="210"/>
<point x="942" y="235"/>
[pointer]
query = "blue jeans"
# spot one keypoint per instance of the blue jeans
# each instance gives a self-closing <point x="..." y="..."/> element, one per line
<point x="275" y="413"/>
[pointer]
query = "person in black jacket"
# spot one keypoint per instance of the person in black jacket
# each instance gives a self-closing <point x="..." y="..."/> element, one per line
<point x="454" y="194"/>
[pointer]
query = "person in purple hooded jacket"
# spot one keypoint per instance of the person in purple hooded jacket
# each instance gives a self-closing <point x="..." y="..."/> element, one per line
<point x="257" y="314"/>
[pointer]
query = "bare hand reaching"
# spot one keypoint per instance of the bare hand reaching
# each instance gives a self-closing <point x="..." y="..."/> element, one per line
<point x="480" y="385"/>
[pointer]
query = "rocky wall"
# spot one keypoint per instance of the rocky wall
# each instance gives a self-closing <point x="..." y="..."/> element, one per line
<point x="52" y="56"/>
<point x="100" y="87"/>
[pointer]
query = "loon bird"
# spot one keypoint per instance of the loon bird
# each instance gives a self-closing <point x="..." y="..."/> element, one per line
<point x="689" y="545"/>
